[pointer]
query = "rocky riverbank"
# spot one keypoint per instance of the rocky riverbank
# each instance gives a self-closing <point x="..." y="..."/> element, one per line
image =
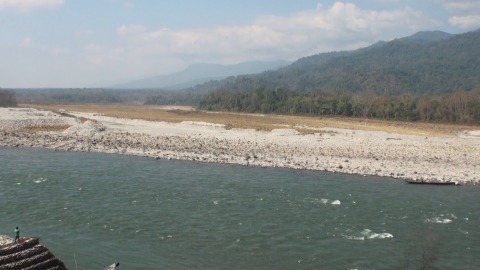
<point x="5" y="240"/>
<point x="455" y="158"/>
<point x="27" y="253"/>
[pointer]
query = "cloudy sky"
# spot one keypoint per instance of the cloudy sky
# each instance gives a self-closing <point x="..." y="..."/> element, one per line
<point x="81" y="43"/>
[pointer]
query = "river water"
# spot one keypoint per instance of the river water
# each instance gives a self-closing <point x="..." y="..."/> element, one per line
<point x="92" y="210"/>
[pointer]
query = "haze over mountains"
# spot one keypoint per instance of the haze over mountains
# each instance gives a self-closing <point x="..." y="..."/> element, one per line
<point x="425" y="62"/>
<point x="200" y="73"/>
<point x="432" y="62"/>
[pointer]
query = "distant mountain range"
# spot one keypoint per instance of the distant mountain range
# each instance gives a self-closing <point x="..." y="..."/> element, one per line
<point x="428" y="62"/>
<point x="200" y="73"/>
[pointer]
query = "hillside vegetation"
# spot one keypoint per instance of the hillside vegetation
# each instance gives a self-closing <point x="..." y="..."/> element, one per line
<point x="424" y="63"/>
<point x="429" y="76"/>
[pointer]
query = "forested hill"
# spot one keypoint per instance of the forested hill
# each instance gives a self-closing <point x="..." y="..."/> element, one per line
<point x="425" y="63"/>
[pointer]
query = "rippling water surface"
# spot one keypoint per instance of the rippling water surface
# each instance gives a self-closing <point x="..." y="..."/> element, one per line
<point x="158" y="214"/>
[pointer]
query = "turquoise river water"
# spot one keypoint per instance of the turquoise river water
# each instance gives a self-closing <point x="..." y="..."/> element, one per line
<point x="96" y="209"/>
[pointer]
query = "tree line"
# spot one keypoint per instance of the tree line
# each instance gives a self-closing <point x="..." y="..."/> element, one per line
<point x="108" y="96"/>
<point x="7" y="98"/>
<point x="459" y="106"/>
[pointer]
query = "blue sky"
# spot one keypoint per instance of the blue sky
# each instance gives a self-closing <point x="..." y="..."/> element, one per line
<point x="81" y="43"/>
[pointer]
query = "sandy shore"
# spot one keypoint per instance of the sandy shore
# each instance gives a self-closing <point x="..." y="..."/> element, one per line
<point x="455" y="158"/>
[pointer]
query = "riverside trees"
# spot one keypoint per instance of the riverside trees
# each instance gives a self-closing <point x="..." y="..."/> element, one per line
<point x="458" y="106"/>
<point x="7" y="99"/>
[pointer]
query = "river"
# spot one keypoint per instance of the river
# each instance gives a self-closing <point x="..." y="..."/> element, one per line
<point x="92" y="210"/>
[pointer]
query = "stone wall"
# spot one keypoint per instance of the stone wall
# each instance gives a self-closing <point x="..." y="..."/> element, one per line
<point x="28" y="254"/>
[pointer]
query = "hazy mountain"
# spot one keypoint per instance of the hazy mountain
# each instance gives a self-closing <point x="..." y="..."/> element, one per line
<point x="427" y="37"/>
<point x="426" y="62"/>
<point x="200" y="73"/>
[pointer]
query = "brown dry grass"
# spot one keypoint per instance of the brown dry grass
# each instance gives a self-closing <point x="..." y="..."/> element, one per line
<point x="304" y="124"/>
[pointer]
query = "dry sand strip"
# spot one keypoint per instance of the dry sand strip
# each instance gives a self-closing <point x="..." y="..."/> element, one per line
<point x="455" y="158"/>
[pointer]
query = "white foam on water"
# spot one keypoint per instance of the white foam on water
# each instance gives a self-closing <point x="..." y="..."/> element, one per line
<point x="19" y="183"/>
<point x="315" y="200"/>
<point x="216" y="202"/>
<point x="442" y="219"/>
<point x="336" y="202"/>
<point x="368" y="235"/>
<point x="324" y="201"/>
<point x="366" y="232"/>
<point x="358" y="238"/>
<point x="438" y="220"/>
<point x="40" y="180"/>
<point x="380" y="236"/>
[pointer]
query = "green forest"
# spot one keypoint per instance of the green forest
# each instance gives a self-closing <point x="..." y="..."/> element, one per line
<point x="416" y="78"/>
<point x="459" y="106"/>
<point x="7" y="98"/>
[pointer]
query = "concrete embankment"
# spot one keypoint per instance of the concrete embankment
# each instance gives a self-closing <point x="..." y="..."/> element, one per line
<point x="27" y="254"/>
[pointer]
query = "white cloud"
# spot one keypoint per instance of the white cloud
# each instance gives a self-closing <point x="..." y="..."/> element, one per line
<point x="83" y="34"/>
<point x="142" y="51"/>
<point x="27" y="5"/>
<point x="128" y="4"/>
<point x="390" y="1"/>
<point x="60" y="51"/>
<point x="465" y="22"/>
<point x="124" y="3"/>
<point x="102" y="56"/>
<point x="338" y="27"/>
<point x="131" y="29"/>
<point x="464" y="13"/>
<point x="461" y="6"/>
<point x="26" y="42"/>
